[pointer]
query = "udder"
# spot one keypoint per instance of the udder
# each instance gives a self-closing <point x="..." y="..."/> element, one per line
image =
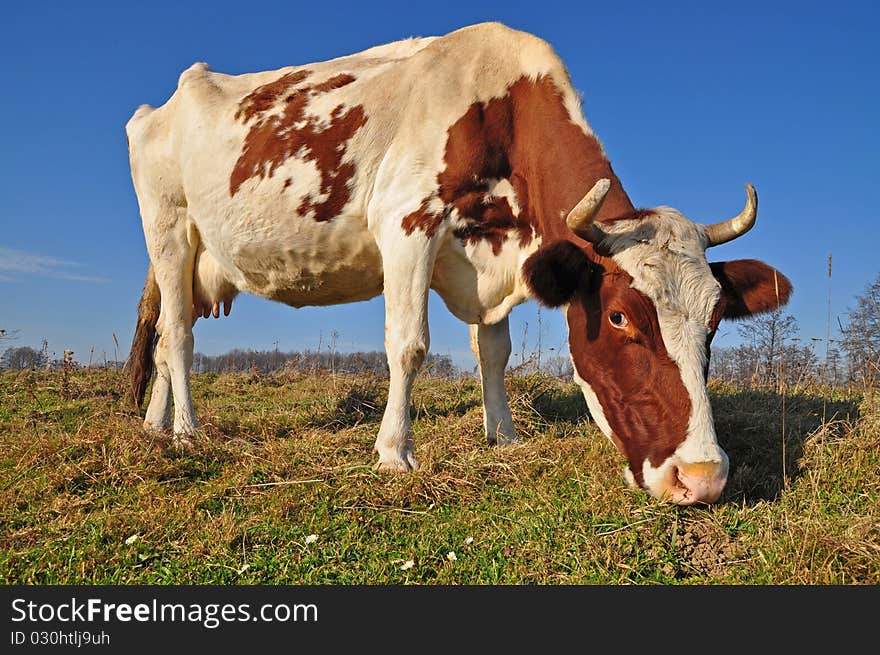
<point x="211" y="287"/>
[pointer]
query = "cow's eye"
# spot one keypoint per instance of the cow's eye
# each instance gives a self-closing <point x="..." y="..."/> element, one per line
<point x="617" y="319"/>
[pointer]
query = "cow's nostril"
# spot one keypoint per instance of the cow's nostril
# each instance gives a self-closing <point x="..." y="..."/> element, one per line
<point x="680" y="485"/>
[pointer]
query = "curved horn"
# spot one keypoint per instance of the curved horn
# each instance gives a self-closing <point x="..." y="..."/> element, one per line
<point x="738" y="225"/>
<point x="580" y="219"/>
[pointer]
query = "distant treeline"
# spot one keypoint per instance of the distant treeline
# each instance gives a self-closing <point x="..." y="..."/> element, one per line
<point x="271" y="361"/>
<point x="374" y="362"/>
<point x="772" y="353"/>
<point x="275" y="361"/>
<point x="239" y="360"/>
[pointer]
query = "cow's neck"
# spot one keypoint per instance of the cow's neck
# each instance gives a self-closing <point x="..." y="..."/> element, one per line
<point x="554" y="162"/>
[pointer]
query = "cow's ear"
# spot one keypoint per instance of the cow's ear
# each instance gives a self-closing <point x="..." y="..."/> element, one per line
<point x="555" y="272"/>
<point x="750" y="287"/>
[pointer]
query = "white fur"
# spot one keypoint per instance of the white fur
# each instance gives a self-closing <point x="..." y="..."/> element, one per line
<point x="657" y="480"/>
<point x="504" y="189"/>
<point x="491" y="346"/>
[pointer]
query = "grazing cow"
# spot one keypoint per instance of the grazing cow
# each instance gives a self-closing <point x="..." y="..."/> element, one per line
<point x="456" y="163"/>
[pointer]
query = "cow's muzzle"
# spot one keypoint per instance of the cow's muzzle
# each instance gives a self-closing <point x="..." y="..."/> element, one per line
<point x="687" y="483"/>
<point x="702" y="482"/>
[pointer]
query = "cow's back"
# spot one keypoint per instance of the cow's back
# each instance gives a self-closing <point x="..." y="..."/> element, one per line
<point x="289" y="174"/>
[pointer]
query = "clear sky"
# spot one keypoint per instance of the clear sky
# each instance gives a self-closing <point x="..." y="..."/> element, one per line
<point x="691" y="100"/>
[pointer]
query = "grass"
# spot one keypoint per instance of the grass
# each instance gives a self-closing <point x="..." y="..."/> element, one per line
<point x="87" y="497"/>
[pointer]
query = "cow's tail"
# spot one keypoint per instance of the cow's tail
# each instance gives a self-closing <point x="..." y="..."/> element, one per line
<point x="140" y="359"/>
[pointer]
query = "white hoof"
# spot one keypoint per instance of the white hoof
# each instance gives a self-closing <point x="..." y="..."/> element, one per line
<point x="157" y="428"/>
<point x="505" y="440"/>
<point x="182" y="442"/>
<point x="397" y="464"/>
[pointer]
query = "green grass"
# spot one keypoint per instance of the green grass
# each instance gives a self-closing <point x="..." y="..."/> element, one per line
<point x="287" y="456"/>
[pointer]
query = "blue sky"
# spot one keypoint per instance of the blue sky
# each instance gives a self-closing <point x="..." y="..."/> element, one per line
<point x="691" y="100"/>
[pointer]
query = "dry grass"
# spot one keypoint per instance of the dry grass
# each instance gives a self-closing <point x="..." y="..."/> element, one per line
<point x="284" y="457"/>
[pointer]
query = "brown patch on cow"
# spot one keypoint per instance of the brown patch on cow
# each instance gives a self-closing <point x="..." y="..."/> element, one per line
<point x="477" y="153"/>
<point x="335" y="82"/>
<point x="423" y="219"/>
<point x="555" y="159"/>
<point x="749" y="287"/>
<point x="497" y="221"/>
<point x="526" y="137"/>
<point x="263" y="98"/>
<point x="274" y="138"/>
<point x="637" y="382"/>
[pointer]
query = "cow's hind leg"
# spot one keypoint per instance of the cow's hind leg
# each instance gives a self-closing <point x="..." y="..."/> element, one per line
<point x="158" y="416"/>
<point x="491" y="346"/>
<point x="407" y="273"/>
<point x="172" y="243"/>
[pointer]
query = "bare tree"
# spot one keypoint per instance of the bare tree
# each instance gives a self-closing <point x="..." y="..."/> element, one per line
<point x="771" y="354"/>
<point x="558" y="366"/>
<point x="766" y="335"/>
<point x="861" y="337"/>
<point x="21" y="358"/>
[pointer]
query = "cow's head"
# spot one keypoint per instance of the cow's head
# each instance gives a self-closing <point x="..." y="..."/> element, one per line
<point x="643" y="305"/>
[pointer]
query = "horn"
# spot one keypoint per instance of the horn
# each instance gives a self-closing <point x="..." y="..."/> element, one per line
<point x="580" y="219"/>
<point x="738" y="225"/>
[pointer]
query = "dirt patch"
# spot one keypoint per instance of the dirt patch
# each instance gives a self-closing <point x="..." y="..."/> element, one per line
<point x="708" y="550"/>
<point x="684" y="549"/>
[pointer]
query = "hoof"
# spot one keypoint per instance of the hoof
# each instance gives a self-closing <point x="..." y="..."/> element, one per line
<point x="397" y="464"/>
<point x="504" y="441"/>
<point x="156" y="430"/>
<point x="182" y="443"/>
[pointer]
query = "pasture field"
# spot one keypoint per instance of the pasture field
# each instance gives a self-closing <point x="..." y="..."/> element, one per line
<point x="86" y="497"/>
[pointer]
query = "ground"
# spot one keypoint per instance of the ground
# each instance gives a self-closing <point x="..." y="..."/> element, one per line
<point x="280" y="489"/>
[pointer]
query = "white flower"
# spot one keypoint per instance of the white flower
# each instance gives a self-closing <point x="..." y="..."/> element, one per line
<point x="131" y="540"/>
<point x="312" y="538"/>
<point x="451" y="556"/>
<point x="243" y="569"/>
<point x="468" y="541"/>
<point x="408" y="564"/>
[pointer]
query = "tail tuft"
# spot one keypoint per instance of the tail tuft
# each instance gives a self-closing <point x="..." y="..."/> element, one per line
<point x="140" y="359"/>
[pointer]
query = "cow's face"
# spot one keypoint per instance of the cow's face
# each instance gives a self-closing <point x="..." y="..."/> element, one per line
<point x="642" y="305"/>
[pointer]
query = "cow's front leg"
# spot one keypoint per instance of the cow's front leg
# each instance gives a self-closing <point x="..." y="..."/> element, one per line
<point x="407" y="275"/>
<point x="491" y="346"/>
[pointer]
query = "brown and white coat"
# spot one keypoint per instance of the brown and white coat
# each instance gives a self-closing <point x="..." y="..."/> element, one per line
<point x="450" y="163"/>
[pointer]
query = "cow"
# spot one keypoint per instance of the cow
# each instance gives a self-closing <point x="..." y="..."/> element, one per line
<point x="461" y="163"/>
